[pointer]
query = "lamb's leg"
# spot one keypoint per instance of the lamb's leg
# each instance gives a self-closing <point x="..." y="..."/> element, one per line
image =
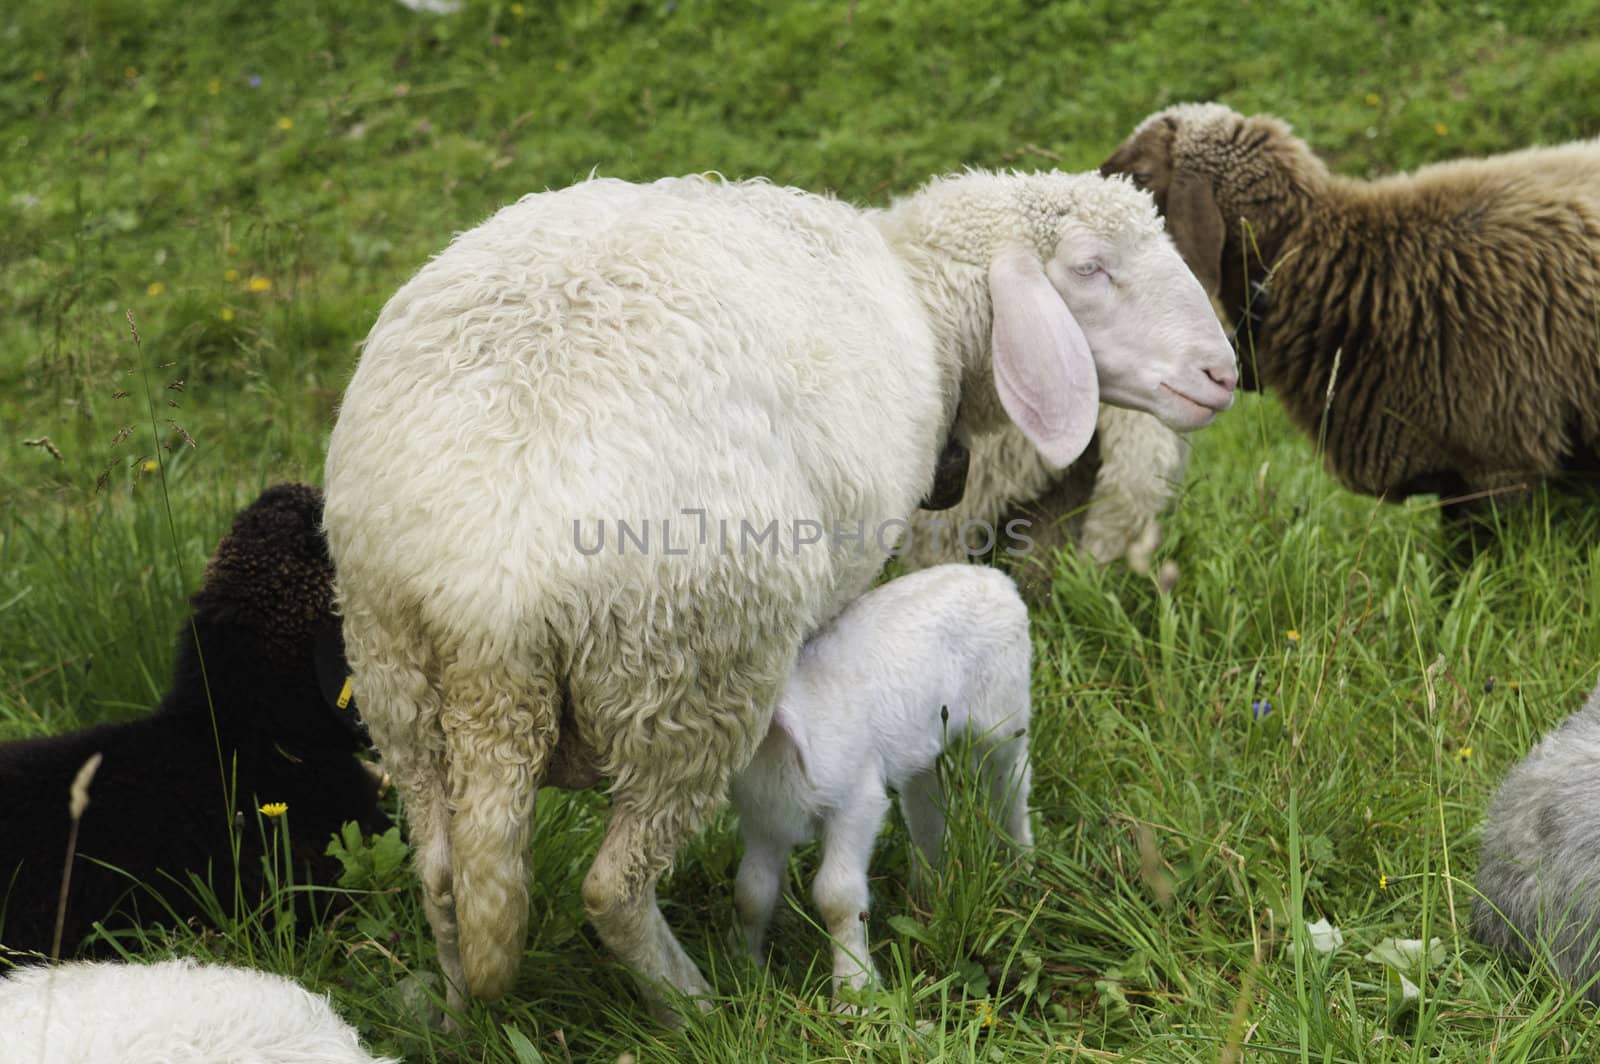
<point x="757" y="887"/>
<point x="1010" y="780"/>
<point x="500" y="725"/>
<point x="922" y="806"/>
<point x="840" y="888"/>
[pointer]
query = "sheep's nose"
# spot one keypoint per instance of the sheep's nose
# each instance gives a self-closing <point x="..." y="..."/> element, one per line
<point x="1223" y="377"/>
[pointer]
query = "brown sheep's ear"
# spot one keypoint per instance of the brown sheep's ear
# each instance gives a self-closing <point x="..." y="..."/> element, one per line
<point x="1195" y="222"/>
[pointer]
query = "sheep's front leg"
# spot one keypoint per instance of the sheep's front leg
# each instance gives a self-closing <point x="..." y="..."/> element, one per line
<point x="841" y="884"/>
<point x="757" y="887"/>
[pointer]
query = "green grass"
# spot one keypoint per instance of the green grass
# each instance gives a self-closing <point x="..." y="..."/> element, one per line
<point x="156" y="157"/>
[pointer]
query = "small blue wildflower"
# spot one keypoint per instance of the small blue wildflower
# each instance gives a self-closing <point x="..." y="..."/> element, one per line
<point x="1260" y="708"/>
<point x="254" y="80"/>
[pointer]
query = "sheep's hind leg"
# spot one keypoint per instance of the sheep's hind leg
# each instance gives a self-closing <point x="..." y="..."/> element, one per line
<point x="500" y="724"/>
<point x="401" y="710"/>
<point x="619" y="894"/>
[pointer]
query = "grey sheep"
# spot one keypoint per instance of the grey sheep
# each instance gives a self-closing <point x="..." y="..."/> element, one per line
<point x="1539" y="870"/>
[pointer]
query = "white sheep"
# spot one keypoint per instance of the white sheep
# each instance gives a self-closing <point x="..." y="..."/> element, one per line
<point x="755" y="382"/>
<point x="939" y="653"/>
<point x="1108" y="503"/>
<point x="170" y="1012"/>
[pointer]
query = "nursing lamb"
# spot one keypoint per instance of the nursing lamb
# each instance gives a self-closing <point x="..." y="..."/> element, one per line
<point x="940" y="654"/>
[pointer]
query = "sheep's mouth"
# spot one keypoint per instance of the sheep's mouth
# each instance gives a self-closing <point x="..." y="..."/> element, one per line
<point x="1203" y="412"/>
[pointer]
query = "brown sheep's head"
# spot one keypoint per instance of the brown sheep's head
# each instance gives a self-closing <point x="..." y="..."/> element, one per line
<point x="1178" y="156"/>
<point x="1224" y="182"/>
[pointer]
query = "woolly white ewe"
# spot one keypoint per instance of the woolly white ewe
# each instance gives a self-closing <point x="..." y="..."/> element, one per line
<point x="751" y="382"/>
<point x="941" y="653"/>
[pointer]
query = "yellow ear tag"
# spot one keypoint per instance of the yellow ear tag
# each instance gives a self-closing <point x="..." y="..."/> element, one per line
<point x="344" y="694"/>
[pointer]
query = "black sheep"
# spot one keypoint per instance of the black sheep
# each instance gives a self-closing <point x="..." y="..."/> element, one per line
<point x="264" y="661"/>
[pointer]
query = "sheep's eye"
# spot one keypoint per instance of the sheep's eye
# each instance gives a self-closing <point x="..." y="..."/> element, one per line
<point x="1141" y="178"/>
<point x="1086" y="269"/>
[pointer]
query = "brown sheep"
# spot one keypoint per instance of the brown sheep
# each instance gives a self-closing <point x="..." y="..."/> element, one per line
<point x="1439" y="331"/>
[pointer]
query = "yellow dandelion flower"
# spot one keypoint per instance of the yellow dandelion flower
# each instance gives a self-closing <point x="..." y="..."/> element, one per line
<point x="1372" y="99"/>
<point x="151" y="465"/>
<point x="131" y="72"/>
<point x="259" y="283"/>
<point x="155" y="288"/>
<point x="214" y="86"/>
<point x="230" y="275"/>
<point x="274" y="809"/>
<point x="1292" y="636"/>
<point x="1383" y="881"/>
<point x="227" y="313"/>
<point x="38" y="75"/>
<point x="1440" y="129"/>
<point x="516" y="10"/>
<point x="1464" y="754"/>
<point x="285" y="122"/>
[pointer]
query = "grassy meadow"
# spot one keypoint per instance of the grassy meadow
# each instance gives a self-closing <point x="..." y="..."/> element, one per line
<point x="203" y="206"/>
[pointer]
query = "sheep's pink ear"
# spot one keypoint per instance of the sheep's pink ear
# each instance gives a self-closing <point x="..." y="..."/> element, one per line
<point x="1043" y="369"/>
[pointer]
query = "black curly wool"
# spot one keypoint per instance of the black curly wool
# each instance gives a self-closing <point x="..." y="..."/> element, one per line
<point x="250" y="718"/>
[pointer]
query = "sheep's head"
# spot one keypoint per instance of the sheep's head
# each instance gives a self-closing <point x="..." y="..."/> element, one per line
<point x="267" y="598"/>
<point x="1227" y="184"/>
<point x="1096" y="305"/>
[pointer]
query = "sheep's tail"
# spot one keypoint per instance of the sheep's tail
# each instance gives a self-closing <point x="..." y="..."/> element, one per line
<point x="501" y="722"/>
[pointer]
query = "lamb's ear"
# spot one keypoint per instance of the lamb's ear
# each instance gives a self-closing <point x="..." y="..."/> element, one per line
<point x="1043" y="369"/>
<point x="1195" y="222"/>
<point x="785" y="725"/>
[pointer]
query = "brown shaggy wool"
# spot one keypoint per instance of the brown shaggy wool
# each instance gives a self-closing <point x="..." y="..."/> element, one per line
<point x="1438" y="330"/>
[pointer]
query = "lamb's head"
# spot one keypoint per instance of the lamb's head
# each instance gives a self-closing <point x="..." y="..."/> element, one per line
<point x="1229" y="185"/>
<point x="1091" y="302"/>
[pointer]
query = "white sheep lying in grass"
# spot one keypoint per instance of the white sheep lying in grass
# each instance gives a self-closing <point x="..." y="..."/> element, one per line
<point x="763" y="380"/>
<point x="170" y="1012"/>
<point x="940" y="653"/>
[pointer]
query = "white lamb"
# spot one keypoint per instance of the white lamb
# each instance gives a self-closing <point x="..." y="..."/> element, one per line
<point x="170" y="1012"/>
<point x="940" y="653"/>
<point x="758" y="381"/>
